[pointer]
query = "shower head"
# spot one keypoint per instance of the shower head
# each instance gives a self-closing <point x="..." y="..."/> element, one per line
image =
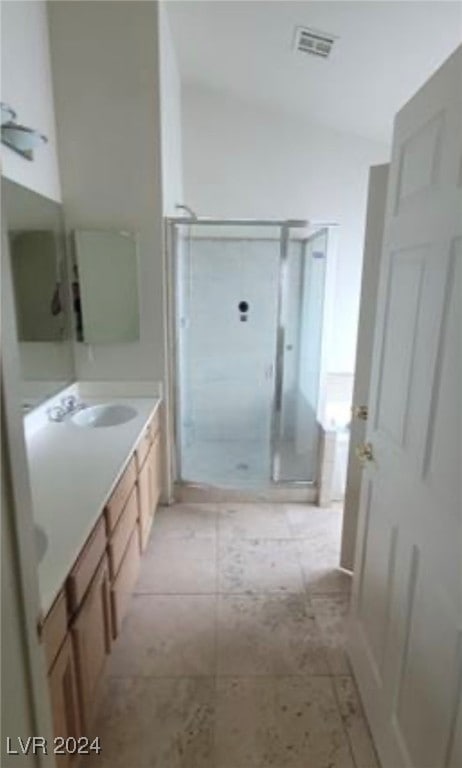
<point x="186" y="208"/>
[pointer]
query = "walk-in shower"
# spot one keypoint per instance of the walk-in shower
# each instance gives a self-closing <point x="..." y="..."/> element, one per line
<point x="247" y="314"/>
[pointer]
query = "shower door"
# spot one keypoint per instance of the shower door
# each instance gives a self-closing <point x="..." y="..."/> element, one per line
<point x="227" y="289"/>
<point x="295" y="425"/>
<point x="248" y="311"/>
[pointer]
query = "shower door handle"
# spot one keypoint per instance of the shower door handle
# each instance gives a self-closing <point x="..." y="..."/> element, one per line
<point x="279" y="369"/>
<point x="269" y="372"/>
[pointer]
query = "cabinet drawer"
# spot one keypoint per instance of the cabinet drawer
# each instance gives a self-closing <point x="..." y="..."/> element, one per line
<point x="125" y="582"/>
<point x="121" y="534"/>
<point x="142" y="449"/>
<point x="54" y="628"/>
<point x="145" y="442"/>
<point x="120" y="495"/>
<point x="86" y="565"/>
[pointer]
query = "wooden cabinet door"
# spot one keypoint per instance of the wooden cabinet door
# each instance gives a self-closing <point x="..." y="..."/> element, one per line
<point x="91" y="635"/>
<point x="154" y="459"/>
<point x="124" y="583"/>
<point x="65" y="708"/>
<point x="145" y="501"/>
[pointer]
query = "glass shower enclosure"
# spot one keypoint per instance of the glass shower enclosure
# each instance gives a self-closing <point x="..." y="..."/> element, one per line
<point x="247" y="310"/>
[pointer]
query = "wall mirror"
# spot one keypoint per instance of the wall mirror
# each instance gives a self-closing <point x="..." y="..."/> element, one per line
<point x="105" y="286"/>
<point x="39" y="267"/>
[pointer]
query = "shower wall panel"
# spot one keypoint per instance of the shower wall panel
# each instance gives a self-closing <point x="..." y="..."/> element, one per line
<point x="230" y="352"/>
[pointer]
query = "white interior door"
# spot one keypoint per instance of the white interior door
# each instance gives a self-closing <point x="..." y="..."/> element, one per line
<point x="406" y="628"/>
<point x="373" y="241"/>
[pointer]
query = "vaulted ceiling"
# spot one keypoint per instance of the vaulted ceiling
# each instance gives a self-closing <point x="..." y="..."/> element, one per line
<point x="383" y="52"/>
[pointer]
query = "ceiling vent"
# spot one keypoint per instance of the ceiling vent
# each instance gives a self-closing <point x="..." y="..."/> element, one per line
<point x="313" y="41"/>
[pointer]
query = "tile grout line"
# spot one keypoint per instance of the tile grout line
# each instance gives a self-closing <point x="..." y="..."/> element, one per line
<point x="229" y="676"/>
<point x="248" y="593"/>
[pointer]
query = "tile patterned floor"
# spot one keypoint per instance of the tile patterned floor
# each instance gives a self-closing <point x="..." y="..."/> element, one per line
<point x="233" y="652"/>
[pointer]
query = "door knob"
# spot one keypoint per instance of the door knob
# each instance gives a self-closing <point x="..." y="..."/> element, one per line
<point x="360" y="412"/>
<point x="365" y="453"/>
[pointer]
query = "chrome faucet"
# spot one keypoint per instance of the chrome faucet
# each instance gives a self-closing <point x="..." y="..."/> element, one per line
<point x="56" y="413"/>
<point x="69" y="405"/>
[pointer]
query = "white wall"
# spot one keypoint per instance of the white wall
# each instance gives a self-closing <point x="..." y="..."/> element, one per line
<point x="105" y="65"/>
<point x="27" y="88"/>
<point x="241" y="159"/>
<point x="114" y="66"/>
<point x="170" y="113"/>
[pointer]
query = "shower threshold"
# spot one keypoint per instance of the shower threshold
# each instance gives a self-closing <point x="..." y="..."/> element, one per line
<point x="277" y="493"/>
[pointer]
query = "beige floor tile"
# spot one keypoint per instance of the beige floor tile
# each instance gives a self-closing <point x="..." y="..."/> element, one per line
<point x="285" y="722"/>
<point x="174" y="565"/>
<point x="268" y="634"/>
<point x="146" y="723"/>
<point x="331" y="613"/>
<point x="258" y="565"/>
<point x="238" y="679"/>
<point x="167" y="635"/>
<point x="355" y="723"/>
<point x="253" y="521"/>
<point x="306" y="521"/>
<point x="185" y="521"/>
<point x="319" y="560"/>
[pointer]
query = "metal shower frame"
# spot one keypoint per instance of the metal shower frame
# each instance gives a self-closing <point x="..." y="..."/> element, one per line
<point x="285" y="225"/>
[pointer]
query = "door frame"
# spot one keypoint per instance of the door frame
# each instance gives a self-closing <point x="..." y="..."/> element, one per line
<point x="372" y="254"/>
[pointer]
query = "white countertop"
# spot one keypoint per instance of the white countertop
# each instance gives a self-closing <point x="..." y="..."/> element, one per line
<point x="73" y="471"/>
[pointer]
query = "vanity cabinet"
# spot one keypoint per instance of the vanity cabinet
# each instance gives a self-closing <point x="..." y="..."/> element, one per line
<point x="87" y="615"/>
<point x="91" y="636"/>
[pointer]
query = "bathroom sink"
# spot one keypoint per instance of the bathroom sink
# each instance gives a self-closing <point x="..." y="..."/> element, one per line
<point x="104" y="415"/>
<point x="41" y="542"/>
